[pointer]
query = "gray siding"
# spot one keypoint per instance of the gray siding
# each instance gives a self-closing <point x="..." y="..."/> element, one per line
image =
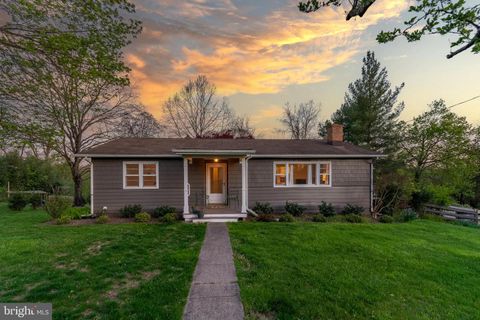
<point x="350" y="184"/>
<point x="108" y="186"/>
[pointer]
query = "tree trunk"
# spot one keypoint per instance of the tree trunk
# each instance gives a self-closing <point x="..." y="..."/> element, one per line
<point x="78" y="199"/>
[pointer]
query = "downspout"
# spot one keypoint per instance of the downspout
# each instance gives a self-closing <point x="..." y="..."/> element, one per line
<point x="371" y="186"/>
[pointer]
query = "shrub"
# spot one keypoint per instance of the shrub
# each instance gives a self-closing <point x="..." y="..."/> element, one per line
<point x="179" y="216"/>
<point x="64" y="220"/>
<point x="326" y="209"/>
<point x="419" y="198"/>
<point x="406" y="215"/>
<point x="287" y="217"/>
<point x="433" y="217"/>
<point x="353" y="218"/>
<point x="17" y="202"/>
<point x="266" y="217"/>
<point x="319" y="218"/>
<point x="56" y="205"/>
<point x="76" y="212"/>
<point x="352" y="209"/>
<point x="35" y="200"/>
<point x="294" y="208"/>
<point x="129" y="211"/>
<point x="386" y="219"/>
<point x="163" y="210"/>
<point x="169" y="218"/>
<point x="263" y="207"/>
<point x="142" y="217"/>
<point x="102" y="219"/>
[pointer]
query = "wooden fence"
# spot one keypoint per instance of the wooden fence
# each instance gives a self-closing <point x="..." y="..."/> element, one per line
<point x="454" y="213"/>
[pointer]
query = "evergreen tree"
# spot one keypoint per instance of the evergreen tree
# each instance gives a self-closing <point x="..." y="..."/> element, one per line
<point x="370" y="110"/>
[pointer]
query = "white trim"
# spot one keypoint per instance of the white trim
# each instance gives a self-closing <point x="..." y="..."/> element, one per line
<point x="140" y="174"/>
<point x="316" y="156"/>
<point x="212" y="152"/>
<point x="244" y="184"/>
<point x="186" y="187"/>
<point x="371" y="187"/>
<point x="91" y="186"/>
<point x="317" y="174"/>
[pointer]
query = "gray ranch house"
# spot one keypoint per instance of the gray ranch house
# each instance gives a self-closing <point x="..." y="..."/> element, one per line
<point x="226" y="177"/>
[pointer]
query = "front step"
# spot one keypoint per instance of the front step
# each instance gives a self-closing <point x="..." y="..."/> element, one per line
<point x="235" y="216"/>
<point x="196" y="220"/>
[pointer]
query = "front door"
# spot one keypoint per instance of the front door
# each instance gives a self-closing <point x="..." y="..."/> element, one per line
<point x="216" y="183"/>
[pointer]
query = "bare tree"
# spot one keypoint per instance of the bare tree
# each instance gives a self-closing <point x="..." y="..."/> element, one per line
<point x="136" y="122"/>
<point x="196" y="112"/>
<point x="301" y="121"/>
<point x="239" y="128"/>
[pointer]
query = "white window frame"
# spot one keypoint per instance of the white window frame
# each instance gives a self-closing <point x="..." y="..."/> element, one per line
<point x="140" y="174"/>
<point x="317" y="174"/>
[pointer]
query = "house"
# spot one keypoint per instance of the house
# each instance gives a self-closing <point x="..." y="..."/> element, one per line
<point x="228" y="176"/>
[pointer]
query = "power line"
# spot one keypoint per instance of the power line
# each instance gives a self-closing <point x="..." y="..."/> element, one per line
<point x="456" y="104"/>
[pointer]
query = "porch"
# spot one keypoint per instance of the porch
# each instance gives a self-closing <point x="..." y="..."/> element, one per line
<point x="216" y="184"/>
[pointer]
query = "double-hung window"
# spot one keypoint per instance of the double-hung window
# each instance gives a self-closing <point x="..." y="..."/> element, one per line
<point x="140" y="175"/>
<point x="302" y="174"/>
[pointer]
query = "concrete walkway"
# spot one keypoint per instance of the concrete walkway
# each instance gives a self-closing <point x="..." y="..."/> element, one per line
<point x="214" y="293"/>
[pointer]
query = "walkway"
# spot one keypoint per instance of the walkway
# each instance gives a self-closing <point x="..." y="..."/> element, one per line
<point x="214" y="293"/>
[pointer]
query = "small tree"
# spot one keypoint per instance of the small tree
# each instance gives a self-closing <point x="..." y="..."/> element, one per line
<point x="299" y="122"/>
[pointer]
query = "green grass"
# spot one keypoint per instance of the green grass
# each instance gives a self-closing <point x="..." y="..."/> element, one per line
<point x="417" y="270"/>
<point x="129" y="271"/>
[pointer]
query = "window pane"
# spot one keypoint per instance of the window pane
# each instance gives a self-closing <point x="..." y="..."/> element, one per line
<point x="280" y="169"/>
<point x="314" y="173"/>
<point x="149" y="168"/>
<point x="324" y="168"/>
<point x="216" y="180"/>
<point x="149" y="181"/>
<point x="132" y="181"/>
<point x="300" y="173"/>
<point x="132" y="168"/>
<point x="324" y="179"/>
<point x="281" y="180"/>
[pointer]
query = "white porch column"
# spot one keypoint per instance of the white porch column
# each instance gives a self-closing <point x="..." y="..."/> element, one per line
<point x="186" y="187"/>
<point x="244" y="184"/>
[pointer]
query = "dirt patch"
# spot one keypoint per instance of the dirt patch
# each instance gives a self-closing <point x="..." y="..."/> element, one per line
<point x="65" y="266"/>
<point x="262" y="315"/>
<point x="96" y="247"/>
<point x="129" y="282"/>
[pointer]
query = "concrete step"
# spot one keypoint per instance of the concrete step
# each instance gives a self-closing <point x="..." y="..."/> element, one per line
<point x="218" y="216"/>
<point x="213" y="220"/>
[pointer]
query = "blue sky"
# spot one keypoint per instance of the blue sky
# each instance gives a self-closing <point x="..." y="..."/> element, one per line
<point x="261" y="54"/>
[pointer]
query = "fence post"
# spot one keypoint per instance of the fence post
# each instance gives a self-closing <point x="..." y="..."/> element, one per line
<point x="8" y="189"/>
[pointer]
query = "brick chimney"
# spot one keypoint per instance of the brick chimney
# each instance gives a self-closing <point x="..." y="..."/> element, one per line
<point x="335" y="134"/>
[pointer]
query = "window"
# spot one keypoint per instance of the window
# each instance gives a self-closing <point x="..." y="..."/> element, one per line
<point x="302" y="174"/>
<point x="140" y="175"/>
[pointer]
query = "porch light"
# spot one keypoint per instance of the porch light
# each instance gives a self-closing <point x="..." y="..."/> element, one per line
<point x="215" y="160"/>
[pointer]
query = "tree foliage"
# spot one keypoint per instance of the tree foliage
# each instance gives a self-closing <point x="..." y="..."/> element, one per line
<point x="300" y="122"/>
<point x="62" y="73"/>
<point x="456" y="18"/>
<point x="370" y="109"/>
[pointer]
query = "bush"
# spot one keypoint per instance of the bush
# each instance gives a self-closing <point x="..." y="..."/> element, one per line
<point x="17" y="202"/>
<point x="163" y="210"/>
<point x="352" y="209"/>
<point x="142" y="217"/>
<point x="386" y="219"/>
<point x="56" y="205"/>
<point x="319" y="218"/>
<point x="287" y="217"/>
<point x="129" y="211"/>
<point x="102" y="219"/>
<point x="419" y="198"/>
<point x="406" y="215"/>
<point x="326" y="209"/>
<point x="263" y="207"/>
<point x="76" y="212"/>
<point x="266" y="217"/>
<point x="179" y="216"/>
<point x="353" y="218"/>
<point x="64" y="220"/>
<point x="294" y="208"/>
<point x="432" y="217"/>
<point x="36" y="200"/>
<point x="169" y="218"/>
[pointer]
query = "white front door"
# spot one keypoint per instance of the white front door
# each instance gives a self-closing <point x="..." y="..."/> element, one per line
<point x="216" y="183"/>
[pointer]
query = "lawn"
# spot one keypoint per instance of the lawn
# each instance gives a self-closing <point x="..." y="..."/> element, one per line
<point x="129" y="271"/>
<point x="417" y="270"/>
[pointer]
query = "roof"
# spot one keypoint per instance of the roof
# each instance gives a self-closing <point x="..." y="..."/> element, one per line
<point x="178" y="147"/>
